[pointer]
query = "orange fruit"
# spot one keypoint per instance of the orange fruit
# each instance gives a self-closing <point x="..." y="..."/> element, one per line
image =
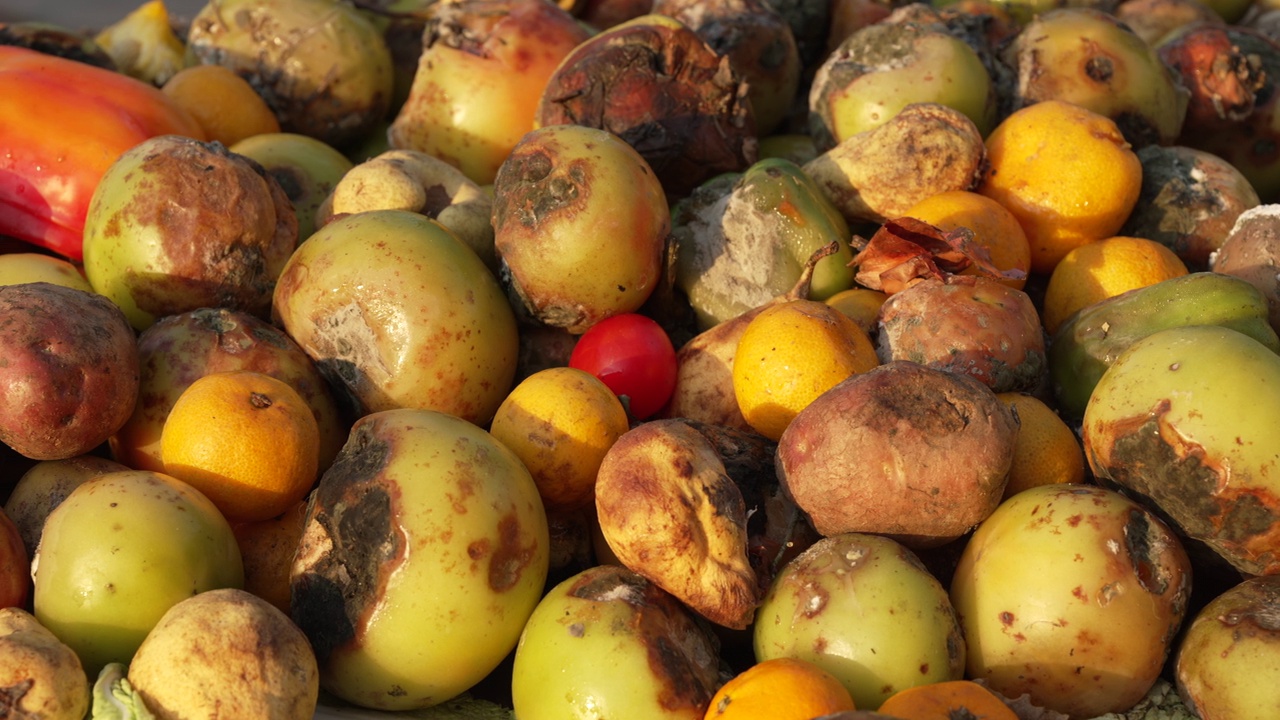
<point x="1066" y="173"/>
<point x="267" y="548"/>
<point x="995" y="229"/>
<point x="789" y="354"/>
<point x="780" y="689"/>
<point x="1104" y="269"/>
<point x="222" y="102"/>
<point x="560" y="422"/>
<point x="947" y="700"/>
<point x="1046" y="451"/>
<point x="246" y="440"/>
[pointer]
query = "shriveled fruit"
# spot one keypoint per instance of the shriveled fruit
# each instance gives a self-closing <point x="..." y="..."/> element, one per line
<point x="556" y="191"/>
<point x="40" y="676"/>
<point x="791" y="353"/>
<point x="863" y="608"/>
<point x="1072" y="594"/>
<point x="397" y="312"/>
<point x="655" y="83"/>
<point x="783" y="688"/>
<point x="424" y="552"/>
<point x="226" y="652"/>
<point x="560" y="422"/>
<point x="995" y="230"/>
<point x="323" y="67"/>
<point x="967" y="324"/>
<point x="1185" y="418"/>
<point x="1103" y="269"/>
<point x="1227" y="657"/>
<point x="1027" y="155"/>
<point x="919" y="454"/>
<point x="610" y="643"/>
<point x="246" y="440"/>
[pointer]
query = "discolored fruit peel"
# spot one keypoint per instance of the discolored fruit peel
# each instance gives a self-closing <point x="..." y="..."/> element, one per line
<point x="743" y="240"/>
<point x="43" y="487"/>
<point x="883" y="67"/>
<point x="580" y="225"/>
<point x="655" y="83"/>
<point x="324" y="68"/>
<point x="418" y="499"/>
<point x="1251" y="252"/>
<point x="670" y="511"/>
<point x="759" y="43"/>
<point x="70" y="370"/>
<point x="1156" y="21"/>
<point x="882" y="173"/>
<point x="970" y="325"/>
<point x="663" y="663"/>
<point x="1073" y="595"/>
<point x="1184" y="420"/>
<point x="159" y="240"/>
<point x="1189" y="202"/>
<point x="1222" y="77"/>
<point x="479" y="80"/>
<point x="181" y="348"/>
<point x="226" y="652"/>
<point x="914" y="453"/>
<point x="40" y="676"/>
<point x="866" y="610"/>
<point x="1226" y="658"/>
<point x="306" y="168"/>
<point x="1087" y="57"/>
<point x="1092" y="339"/>
<point x="413" y="319"/>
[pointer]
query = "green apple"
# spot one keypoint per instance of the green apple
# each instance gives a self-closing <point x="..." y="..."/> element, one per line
<point x="119" y="552"/>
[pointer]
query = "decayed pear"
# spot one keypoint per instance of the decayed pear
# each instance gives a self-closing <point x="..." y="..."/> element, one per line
<point x="40" y="677"/>
<point x="671" y="506"/>
<point x="417" y="182"/>
<point x="870" y="179"/>
<point x="704" y="375"/>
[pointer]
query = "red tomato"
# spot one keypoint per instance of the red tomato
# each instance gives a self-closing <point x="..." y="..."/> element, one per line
<point x="633" y="356"/>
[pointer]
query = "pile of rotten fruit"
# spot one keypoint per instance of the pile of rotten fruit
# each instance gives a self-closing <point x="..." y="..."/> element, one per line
<point x="468" y="193"/>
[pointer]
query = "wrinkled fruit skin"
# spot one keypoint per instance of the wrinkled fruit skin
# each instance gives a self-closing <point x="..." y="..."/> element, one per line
<point x="425" y="550"/>
<point x="866" y="610"/>
<point x="159" y="239"/>
<point x="903" y="450"/>
<point x="580" y="224"/>
<point x="70" y="370"/>
<point x="1072" y="594"/>
<point x="1227" y="659"/>
<point x="40" y="676"/>
<point x="1189" y="420"/>
<point x="324" y="68"/>
<point x="970" y="325"/>
<point x="608" y="643"/>
<point x="397" y="312"/>
<point x="179" y="349"/>
<point x="660" y="87"/>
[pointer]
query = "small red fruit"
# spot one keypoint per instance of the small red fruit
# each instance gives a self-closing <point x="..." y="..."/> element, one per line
<point x="633" y="355"/>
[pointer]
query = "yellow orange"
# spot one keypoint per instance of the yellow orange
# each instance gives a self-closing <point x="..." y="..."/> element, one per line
<point x="994" y="228"/>
<point x="860" y="304"/>
<point x="780" y="689"/>
<point x="1104" y="269"/>
<point x="1066" y="173"/>
<point x="222" y="102"/>
<point x="1046" y="451"/>
<point x="791" y="353"/>
<point x="560" y="422"/>
<point x="246" y="440"/>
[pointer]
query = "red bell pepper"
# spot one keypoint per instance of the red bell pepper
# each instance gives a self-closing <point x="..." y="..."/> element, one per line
<point x="62" y="124"/>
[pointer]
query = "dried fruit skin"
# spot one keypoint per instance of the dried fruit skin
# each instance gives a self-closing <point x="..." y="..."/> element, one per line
<point x="656" y="84"/>
<point x="1226" y="661"/>
<point x="1251" y="251"/>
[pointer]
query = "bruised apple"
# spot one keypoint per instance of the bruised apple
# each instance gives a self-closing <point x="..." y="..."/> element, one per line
<point x="479" y="79"/>
<point x="70" y="370"/>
